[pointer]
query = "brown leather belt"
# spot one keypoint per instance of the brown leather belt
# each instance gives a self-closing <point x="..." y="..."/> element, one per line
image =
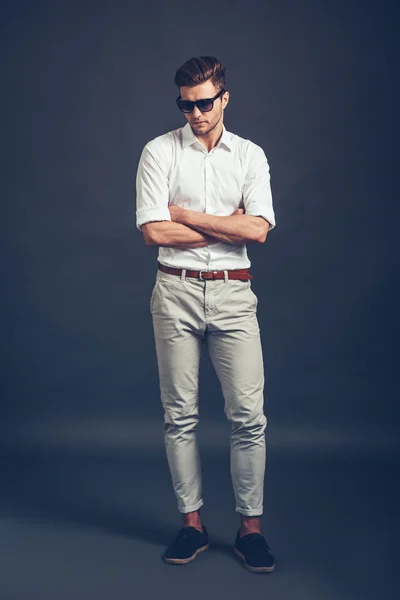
<point x="242" y="274"/>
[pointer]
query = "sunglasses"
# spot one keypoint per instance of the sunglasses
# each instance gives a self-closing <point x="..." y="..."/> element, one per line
<point x="204" y="105"/>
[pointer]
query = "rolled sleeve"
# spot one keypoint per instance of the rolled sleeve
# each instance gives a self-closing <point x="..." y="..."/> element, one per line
<point x="152" y="190"/>
<point x="257" y="195"/>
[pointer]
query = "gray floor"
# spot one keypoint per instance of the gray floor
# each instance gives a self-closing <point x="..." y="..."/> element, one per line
<point x="92" y="526"/>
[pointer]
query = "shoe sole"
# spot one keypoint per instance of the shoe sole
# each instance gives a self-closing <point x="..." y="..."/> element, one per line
<point x="254" y="569"/>
<point x="184" y="561"/>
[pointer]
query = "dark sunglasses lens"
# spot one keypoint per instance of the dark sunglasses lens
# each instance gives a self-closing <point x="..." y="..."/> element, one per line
<point x="205" y="105"/>
<point x="186" y="106"/>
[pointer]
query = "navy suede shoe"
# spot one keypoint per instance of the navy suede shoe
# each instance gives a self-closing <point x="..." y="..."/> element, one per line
<point x="187" y="545"/>
<point x="255" y="552"/>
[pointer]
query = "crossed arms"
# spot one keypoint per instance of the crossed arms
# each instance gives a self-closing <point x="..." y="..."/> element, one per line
<point x="192" y="229"/>
<point x="178" y="227"/>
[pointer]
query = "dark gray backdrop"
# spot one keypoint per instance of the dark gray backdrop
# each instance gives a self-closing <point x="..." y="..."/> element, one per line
<point x="84" y="87"/>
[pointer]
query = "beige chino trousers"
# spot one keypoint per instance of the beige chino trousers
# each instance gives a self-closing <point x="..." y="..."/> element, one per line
<point x="221" y="314"/>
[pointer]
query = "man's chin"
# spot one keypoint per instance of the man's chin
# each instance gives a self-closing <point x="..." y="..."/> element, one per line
<point x="200" y="129"/>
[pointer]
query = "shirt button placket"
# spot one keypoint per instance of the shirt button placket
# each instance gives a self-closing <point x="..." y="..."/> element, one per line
<point x="205" y="197"/>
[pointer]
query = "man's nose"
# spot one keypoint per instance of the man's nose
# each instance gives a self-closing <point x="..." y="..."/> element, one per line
<point x="196" y="112"/>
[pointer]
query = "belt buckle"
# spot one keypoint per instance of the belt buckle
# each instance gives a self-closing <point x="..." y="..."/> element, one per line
<point x="206" y="271"/>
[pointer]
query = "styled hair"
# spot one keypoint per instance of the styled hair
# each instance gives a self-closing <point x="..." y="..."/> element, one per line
<point x="197" y="70"/>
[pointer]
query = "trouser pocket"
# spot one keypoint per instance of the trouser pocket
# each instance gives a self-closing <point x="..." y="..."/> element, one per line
<point x="152" y="297"/>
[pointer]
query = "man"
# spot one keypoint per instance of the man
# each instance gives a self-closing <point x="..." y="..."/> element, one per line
<point x="202" y="195"/>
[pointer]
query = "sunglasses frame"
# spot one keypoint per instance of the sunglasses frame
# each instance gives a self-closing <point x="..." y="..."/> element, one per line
<point x="195" y="102"/>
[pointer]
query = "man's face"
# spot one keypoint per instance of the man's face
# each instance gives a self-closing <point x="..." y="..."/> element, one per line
<point x="204" y="123"/>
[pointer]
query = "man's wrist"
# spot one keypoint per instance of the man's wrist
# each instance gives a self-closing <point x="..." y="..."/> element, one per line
<point x="211" y="240"/>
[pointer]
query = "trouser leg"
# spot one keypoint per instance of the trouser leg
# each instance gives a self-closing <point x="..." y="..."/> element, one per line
<point x="234" y="346"/>
<point x="178" y="350"/>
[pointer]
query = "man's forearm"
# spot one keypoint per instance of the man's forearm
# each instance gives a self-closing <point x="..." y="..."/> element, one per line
<point x="234" y="229"/>
<point x="177" y="235"/>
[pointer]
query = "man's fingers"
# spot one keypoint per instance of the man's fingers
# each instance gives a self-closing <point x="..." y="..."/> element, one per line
<point x="238" y="211"/>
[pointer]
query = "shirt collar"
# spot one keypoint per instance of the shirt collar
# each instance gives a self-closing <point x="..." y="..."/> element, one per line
<point x="189" y="138"/>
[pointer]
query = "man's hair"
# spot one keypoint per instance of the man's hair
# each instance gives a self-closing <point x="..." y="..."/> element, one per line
<point x="197" y="70"/>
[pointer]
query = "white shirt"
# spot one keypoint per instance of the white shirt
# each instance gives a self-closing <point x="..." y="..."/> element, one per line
<point x="175" y="168"/>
